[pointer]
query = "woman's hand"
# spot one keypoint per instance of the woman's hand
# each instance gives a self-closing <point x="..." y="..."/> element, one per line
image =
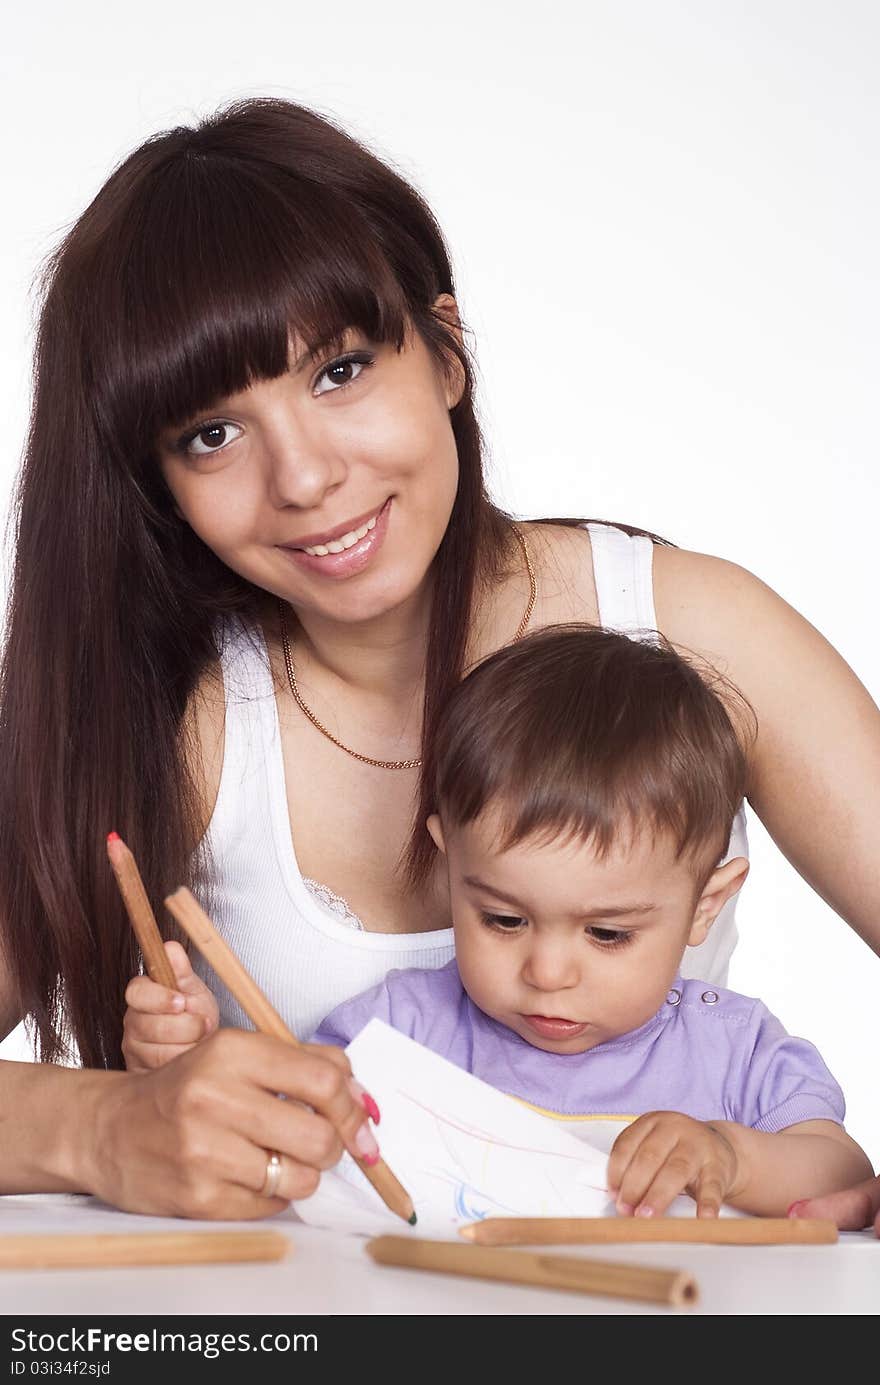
<point x="665" y="1153"/>
<point x="853" y="1209"/>
<point x="160" y="1024"/>
<point x="193" y="1138"/>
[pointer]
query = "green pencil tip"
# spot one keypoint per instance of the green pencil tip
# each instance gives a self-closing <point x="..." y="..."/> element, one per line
<point x="412" y="1220"/>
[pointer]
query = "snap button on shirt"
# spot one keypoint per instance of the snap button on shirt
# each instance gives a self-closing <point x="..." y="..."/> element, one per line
<point x="710" y="997"/>
<point x="673" y="998"/>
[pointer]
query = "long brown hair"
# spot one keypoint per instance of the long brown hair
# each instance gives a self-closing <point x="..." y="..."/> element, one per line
<point x="178" y="285"/>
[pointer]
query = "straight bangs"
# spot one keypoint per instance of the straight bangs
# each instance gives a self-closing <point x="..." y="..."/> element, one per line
<point x="201" y="286"/>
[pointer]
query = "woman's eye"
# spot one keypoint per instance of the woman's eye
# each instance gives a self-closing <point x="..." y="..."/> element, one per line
<point x="507" y="923"/>
<point x="211" y="438"/>
<point x="609" y="937"/>
<point x="340" y="373"/>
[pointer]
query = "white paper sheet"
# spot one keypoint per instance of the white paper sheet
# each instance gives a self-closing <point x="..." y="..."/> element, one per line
<point x="462" y="1150"/>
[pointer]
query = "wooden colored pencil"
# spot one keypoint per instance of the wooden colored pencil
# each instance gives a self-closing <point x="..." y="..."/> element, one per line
<point x="582" y="1231"/>
<point x="614" y="1280"/>
<point x="141" y="916"/>
<point x="147" y="1248"/>
<point x="196" y="924"/>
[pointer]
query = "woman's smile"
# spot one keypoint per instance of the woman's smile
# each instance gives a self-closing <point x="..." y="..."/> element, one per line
<point x="344" y="551"/>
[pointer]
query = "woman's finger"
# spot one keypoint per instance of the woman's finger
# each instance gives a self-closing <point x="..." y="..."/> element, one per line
<point x="310" y="1073"/>
<point x="852" y="1210"/>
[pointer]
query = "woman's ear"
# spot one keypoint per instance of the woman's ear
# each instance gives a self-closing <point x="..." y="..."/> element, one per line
<point x="445" y="307"/>
<point x="435" y="827"/>
<point x="721" y="886"/>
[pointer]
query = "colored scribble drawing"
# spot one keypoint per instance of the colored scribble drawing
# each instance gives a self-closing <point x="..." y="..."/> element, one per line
<point x="475" y="1173"/>
<point x="462" y="1149"/>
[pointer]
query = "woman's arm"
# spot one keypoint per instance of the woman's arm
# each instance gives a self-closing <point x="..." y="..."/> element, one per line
<point x="815" y="764"/>
<point x="191" y="1139"/>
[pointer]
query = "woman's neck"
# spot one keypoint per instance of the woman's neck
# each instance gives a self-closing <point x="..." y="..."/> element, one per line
<point x="383" y="658"/>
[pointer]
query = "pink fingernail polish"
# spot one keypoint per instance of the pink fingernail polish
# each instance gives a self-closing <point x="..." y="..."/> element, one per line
<point x="365" y="1099"/>
<point x="366" y="1146"/>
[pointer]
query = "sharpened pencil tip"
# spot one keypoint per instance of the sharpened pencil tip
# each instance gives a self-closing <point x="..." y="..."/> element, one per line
<point x="412" y="1220"/>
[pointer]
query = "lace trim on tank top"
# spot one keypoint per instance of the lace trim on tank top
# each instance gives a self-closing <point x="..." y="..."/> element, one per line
<point x="334" y="903"/>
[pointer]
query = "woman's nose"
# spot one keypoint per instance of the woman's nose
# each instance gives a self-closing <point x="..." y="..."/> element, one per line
<point x="302" y="467"/>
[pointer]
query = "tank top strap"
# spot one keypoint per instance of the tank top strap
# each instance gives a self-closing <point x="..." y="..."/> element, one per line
<point x="624" y="576"/>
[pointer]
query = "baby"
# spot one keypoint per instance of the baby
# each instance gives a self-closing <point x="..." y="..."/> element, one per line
<point x="585" y="787"/>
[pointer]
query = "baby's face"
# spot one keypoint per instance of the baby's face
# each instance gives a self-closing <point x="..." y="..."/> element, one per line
<point x="564" y="948"/>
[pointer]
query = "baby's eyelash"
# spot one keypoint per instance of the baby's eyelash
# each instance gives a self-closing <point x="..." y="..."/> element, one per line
<point x="505" y="923"/>
<point x="609" y="937"/>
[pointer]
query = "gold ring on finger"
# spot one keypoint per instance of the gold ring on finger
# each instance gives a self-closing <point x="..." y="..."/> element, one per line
<point x="273" y="1174"/>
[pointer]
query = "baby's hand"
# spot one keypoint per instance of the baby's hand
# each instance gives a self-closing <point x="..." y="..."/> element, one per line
<point x="663" y="1154"/>
<point x="160" y="1024"/>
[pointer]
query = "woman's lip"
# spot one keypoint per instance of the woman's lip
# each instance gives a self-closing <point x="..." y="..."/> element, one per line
<point x="331" y="535"/>
<point x="351" y="561"/>
<point x="550" y="1027"/>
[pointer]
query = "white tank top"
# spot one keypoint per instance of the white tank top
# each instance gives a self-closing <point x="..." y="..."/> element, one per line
<point x="301" y="950"/>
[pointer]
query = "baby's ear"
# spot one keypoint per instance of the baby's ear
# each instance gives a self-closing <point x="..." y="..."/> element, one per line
<point x="721" y="886"/>
<point x="435" y="827"/>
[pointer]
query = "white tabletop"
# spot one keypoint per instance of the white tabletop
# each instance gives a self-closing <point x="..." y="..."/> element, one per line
<point x="330" y="1273"/>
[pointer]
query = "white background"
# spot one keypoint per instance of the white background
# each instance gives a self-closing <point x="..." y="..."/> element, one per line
<point x="664" y="219"/>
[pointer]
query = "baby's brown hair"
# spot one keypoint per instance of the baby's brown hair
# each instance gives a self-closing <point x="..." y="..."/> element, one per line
<point x="577" y="732"/>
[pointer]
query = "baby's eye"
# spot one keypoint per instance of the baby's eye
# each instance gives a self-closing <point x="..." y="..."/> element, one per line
<point x="609" y="937"/>
<point x="505" y="923"/>
<point x="342" y="372"/>
<point x="210" y="438"/>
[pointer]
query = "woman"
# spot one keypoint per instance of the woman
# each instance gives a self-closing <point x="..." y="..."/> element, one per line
<point x="254" y="554"/>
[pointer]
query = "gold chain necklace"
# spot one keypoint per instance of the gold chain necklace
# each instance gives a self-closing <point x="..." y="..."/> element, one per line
<point x="365" y="759"/>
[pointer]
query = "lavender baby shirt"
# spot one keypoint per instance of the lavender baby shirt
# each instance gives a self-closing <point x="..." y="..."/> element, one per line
<point x="709" y="1053"/>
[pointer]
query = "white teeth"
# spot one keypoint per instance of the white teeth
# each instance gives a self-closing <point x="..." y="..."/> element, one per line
<point x="347" y="541"/>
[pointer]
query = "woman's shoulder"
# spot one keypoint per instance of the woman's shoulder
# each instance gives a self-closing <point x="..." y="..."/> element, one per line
<point x="713" y="606"/>
<point x="563" y="561"/>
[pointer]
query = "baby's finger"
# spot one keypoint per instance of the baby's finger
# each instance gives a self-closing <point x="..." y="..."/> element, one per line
<point x="624" y="1150"/>
<point x="709" y="1191"/>
<point x="187" y="980"/>
<point x="643" y="1168"/>
<point x="182" y="1030"/>
<point x="149" y="998"/>
<point x="672" y="1177"/>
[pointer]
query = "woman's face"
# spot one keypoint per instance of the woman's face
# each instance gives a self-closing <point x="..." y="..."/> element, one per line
<point x="350" y="455"/>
